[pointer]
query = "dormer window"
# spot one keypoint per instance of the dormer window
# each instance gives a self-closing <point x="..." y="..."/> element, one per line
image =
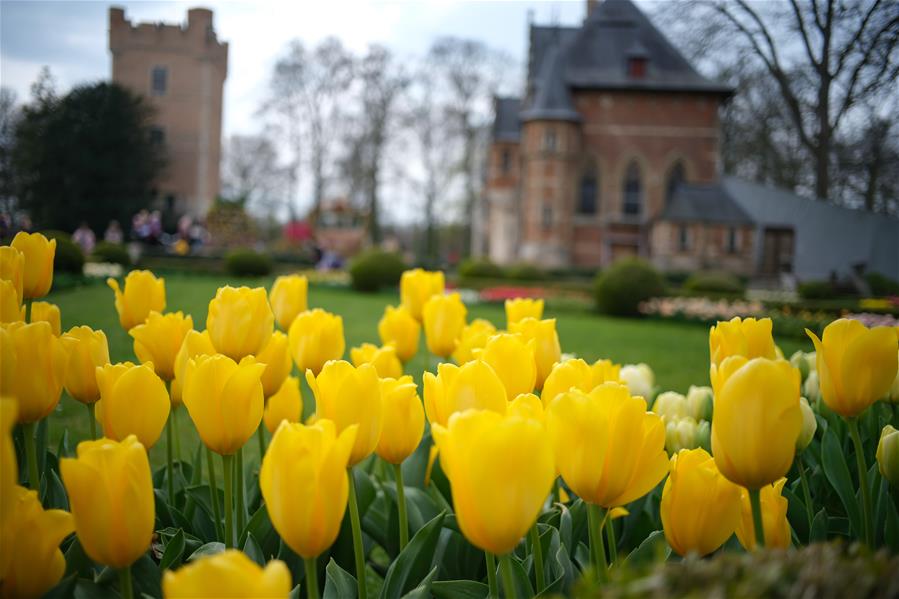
<point x="636" y="67"/>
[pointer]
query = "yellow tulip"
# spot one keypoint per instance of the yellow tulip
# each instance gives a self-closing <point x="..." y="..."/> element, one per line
<point x="315" y="337"/>
<point x="398" y="328"/>
<point x="110" y="492"/>
<point x="143" y="293"/>
<point x="194" y="344"/>
<point x="12" y="269"/>
<point x="757" y="419"/>
<point x="888" y="454"/>
<point x="349" y="396"/>
<point x="240" y="321"/>
<point x="133" y="401"/>
<point x="33" y="563"/>
<point x="501" y="470"/>
<point x="40" y="370"/>
<point x="512" y="358"/>
<point x="444" y="319"/>
<point x="158" y="340"/>
<point x="304" y="483"/>
<point x="9" y="474"/>
<point x="472" y="339"/>
<point x="224" y="400"/>
<point x="8" y="361"/>
<point x="416" y="288"/>
<point x="774" y="518"/>
<point x="745" y="337"/>
<point x="227" y="574"/>
<point x="47" y="312"/>
<point x="577" y="374"/>
<point x="856" y="365"/>
<point x="527" y="405"/>
<point x="547" y="351"/>
<point x="609" y="449"/>
<point x="88" y="350"/>
<point x="276" y="357"/>
<point x="288" y="298"/>
<point x="384" y="359"/>
<point x="37" y="277"/>
<point x="286" y="404"/>
<point x="809" y="425"/>
<point x="700" y="509"/>
<point x="522" y="307"/>
<point x="474" y="385"/>
<point x="11" y="310"/>
<point x="403" y="419"/>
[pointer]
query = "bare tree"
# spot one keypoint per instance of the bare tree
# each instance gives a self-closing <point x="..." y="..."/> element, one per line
<point x="252" y="174"/>
<point x="9" y="117"/>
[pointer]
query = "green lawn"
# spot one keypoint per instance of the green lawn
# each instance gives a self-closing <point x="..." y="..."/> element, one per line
<point x="677" y="352"/>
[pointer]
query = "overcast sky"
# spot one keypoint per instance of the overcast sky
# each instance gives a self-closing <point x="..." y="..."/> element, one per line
<point x="71" y="37"/>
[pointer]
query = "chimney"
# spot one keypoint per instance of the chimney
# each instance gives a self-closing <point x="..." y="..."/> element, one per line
<point x="591" y="6"/>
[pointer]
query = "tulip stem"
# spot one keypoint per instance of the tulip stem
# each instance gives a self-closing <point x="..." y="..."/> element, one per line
<point x="493" y="588"/>
<point x="213" y="492"/>
<point x="126" y="589"/>
<point x="91" y="420"/>
<point x="594" y="522"/>
<point x="862" y="480"/>
<point x="806" y="494"/>
<point x="34" y="477"/>
<point x="174" y="417"/>
<point x="505" y="570"/>
<point x="241" y="498"/>
<point x="401" y="505"/>
<point x="537" y="550"/>
<point x="610" y="538"/>
<point x="170" y="469"/>
<point x="311" y="578"/>
<point x="358" y="548"/>
<point x="228" y="471"/>
<point x="756" y="503"/>
<point x="260" y="434"/>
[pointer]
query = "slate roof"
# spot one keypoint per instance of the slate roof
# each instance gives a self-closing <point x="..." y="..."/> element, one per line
<point x="551" y="98"/>
<point x="506" y="123"/>
<point x="710" y="203"/>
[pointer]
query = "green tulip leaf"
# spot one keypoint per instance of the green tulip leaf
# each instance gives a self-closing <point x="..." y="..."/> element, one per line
<point x="414" y="562"/>
<point x="520" y="579"/>
<point x="173" y="551"/>
<point x="837" y="472"/>
<point x="260" y="526"/>
<point x="338" y="582"/>
<point x="253" y="551"/>
<point x="207" y="549"/>
<point x="54" y="492"/>
<point x="147" y="577"/>
<point x="891" y="529"/>
<point x="65" y="589"/>
<point x="458" y="589"/>
<point x="654" y="547"/>
<point x="819" y="527"/>
<point x="423" y="590"/>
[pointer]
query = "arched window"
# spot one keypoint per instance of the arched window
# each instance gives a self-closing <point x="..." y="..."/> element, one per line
<point x="676" y="176"/>
<point x="633" y="191"/>
<point x="588" y="198"/>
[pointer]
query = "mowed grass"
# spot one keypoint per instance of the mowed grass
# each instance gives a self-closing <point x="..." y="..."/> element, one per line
<point x="676" y="351"/>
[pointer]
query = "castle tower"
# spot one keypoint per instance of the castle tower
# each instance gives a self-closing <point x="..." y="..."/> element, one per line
<point x="181" y="70"/>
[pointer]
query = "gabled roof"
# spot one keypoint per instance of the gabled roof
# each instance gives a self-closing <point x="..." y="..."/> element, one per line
<point x="551" y="98"/>
<point x="506" y="124"/>
<point x="709" y="203"/>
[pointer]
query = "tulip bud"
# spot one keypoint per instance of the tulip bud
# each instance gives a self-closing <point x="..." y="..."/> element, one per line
<point x="30" y="537"/>
<point x="384" y="359"/>
<point x="699" y="403"/>
<point x="888" y="454"/>
<point x="143" y="293"/>
<point x="513" y="361"/>
<point x="486" y="457"/>
<point x="286" y="404"/>
<point x="40" y="366"/>
<point x="110" y="491"/>
<point x="37" y="276"/>
<point x="349" y="396"/>
<point x="547" y="351"/>
<point x="670" y="406"/>
<point x="315" y="337"/>
<point x="400" y="329"/>
<point x="774" y="518"/>
<point x="520" y="308"/>
<point x="403" y="419"/>
<point x="224" y="399"/>
<point x="11" y="310"/>
<point x="473" y="338"/>
<point x="810" y="387"/>
<point x="474" y="385"/>
<point x="240" y="321"/>
<point x="704" y="435"/>
<point x="304" y="483"/>
<point x="276" y="357"/>
<point x="47" y="312"/>
<point x="289" y="298"/>
<point x="894" y="390"/>
<point x="133" y="401"/>
<point x="681" y="434"/>
<point x="444" y="319"/>
<point x="87" y="350"/>
<point x="159" y="339"/>
<point x="417" y="286"/>
<point x="856" y="365"/>
<point x="194" y="344"/>
<point x="639" y="378"/>
<point x="527" y="405"/>
<point x="809" y="425"/>
<point x="798" y="361"/>
<point x="696" y="488"/>
<point x="745" y="337"/>
<point x="227" y="574"/>
<point x="12" y="269"/>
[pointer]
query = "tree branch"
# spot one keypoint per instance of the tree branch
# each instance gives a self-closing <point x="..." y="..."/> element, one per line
<point x="806" y="41"/>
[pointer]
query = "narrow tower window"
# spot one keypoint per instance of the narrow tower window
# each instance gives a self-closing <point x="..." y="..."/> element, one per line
<point x="159" y="81"/>
<point x="633" y="191"/>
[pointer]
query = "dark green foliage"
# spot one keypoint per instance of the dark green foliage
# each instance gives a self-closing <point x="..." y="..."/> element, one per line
<point x="620" y="289"/>
<point x="525" y="272"/>
<point x="478" y="268"/>
<point x="881" y="284"/>
<point x="87" y="156"/>
<point x="373" y="269"/>
<point x="111" y="252"/>
<point x="816" y="290"/>
<point x="69" y="257"/>
<point x="247" y="263"/>
<point x="713" y="282"/>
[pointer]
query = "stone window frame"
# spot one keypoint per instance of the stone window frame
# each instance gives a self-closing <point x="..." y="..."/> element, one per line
<point x="633" y="165"/>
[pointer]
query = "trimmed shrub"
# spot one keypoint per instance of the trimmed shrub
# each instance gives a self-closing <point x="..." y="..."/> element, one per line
<point x="373" y="269"/>
<point x="114" y="253"/>
<point x="479" y="269"/>
<point x="882" y="285"/>
<point x="620" y="289"/>
<point x="247" y="263"/>
<point x="69" y="257"/>
<point x="713" y="282"/>
<point x="813" y="290"/>
<point x="525" y="272"/>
